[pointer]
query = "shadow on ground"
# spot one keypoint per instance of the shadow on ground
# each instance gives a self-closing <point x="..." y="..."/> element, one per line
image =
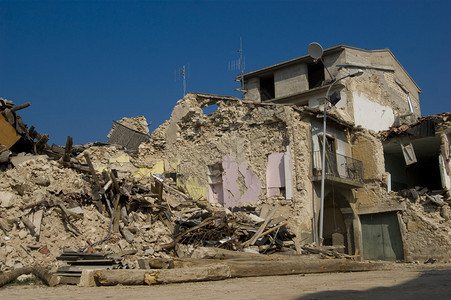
<point x="434" y="284"/>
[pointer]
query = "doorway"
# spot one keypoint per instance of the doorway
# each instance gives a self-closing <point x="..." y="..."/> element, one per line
<point x="381" y="237"/>
<point x="338" y="218"/>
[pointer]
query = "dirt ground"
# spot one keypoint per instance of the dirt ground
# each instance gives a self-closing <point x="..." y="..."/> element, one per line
<point x="402" y="282"/>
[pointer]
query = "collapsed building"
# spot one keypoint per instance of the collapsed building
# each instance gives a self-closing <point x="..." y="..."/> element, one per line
<point x="266" y="148"/>
<point x="234" y="173"/>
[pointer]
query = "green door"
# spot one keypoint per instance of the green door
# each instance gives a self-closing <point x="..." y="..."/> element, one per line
<point x="381" y="237"/>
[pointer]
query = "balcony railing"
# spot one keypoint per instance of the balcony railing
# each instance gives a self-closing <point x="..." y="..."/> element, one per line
<point x="339" y="166"/>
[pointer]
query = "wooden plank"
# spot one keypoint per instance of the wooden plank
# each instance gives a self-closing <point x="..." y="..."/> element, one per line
<point x="21" y="106"/>
<point x="116" y="213"/>
<point x="69" y="280"/>
<point x="92" y="262"/>
<point x="255" y="237"/>
<point x="205" y="222"/>
<point x="29" y="225"/>
<point x="271" y="230"/>
<point x="37" y="219"/>
<point x="93" y="171"/>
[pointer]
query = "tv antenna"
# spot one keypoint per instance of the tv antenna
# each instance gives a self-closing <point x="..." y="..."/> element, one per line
<point x="239" y="64"/>
<point x="182" y="73"/>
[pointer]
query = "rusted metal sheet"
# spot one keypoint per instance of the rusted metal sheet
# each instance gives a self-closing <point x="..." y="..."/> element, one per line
<point x="8" y="135"/>
<point x="127" y="137"/>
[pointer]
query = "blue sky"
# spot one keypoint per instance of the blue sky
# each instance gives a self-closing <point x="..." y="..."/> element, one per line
<point x="83" y="64"/>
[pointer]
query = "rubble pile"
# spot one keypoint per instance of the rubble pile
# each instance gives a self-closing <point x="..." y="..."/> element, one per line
<point x="47" y="208"/>
<point x="427" y="223"/>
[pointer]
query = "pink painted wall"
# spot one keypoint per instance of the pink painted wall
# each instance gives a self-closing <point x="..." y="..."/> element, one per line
<point x="232" y="195"/>
<point x="275" y="174"/>
<point x="216" y="194"/>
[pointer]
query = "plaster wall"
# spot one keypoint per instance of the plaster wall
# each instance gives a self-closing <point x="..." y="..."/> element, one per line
<point x="363" y="149"/>
<point x="371" y="115"/>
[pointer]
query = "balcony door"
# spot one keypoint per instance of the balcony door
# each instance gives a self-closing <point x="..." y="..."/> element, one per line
<point x="331" y="154"/>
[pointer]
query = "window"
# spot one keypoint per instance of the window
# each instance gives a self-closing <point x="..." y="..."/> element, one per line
<point x="315" y="74"/>
<point x="267" y="90"/>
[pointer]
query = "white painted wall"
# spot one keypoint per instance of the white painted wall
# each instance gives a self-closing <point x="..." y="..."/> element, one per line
<point x="371" y="115"/>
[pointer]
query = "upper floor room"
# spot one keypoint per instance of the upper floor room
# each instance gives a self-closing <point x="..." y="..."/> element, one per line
<point x="384" y="95"/>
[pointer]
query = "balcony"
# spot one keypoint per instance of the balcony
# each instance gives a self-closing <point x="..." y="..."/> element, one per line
<point x="340" y="169"/>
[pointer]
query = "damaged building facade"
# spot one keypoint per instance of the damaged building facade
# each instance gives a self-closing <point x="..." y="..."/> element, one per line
<point x="266" y="149"/>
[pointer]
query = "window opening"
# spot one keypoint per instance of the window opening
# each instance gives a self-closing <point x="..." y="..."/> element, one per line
<point x="214" y="173"/>
<point x="315" y="74"/>
<point x="208" y="110"/>
<point x="267" y="89"/>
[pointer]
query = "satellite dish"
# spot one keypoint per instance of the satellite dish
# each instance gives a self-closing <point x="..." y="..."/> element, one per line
<point x="315" y="50"/>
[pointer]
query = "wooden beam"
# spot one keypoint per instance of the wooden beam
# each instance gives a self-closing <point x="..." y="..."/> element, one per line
<point x="223" y="269"/>
<point x="255" y="237"/>
<point x="68" y="149"/>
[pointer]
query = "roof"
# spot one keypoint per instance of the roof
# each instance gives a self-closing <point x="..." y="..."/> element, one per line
<point x="328" y="51"/>
<point x="425" y="126"/>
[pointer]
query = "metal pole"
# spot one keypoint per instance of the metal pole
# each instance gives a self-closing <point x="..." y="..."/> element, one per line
<point x="323" y="157"/>
<point x="323" y="170"/>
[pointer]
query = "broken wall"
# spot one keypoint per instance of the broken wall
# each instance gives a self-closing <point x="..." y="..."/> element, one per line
<point x="223" y="156"/>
